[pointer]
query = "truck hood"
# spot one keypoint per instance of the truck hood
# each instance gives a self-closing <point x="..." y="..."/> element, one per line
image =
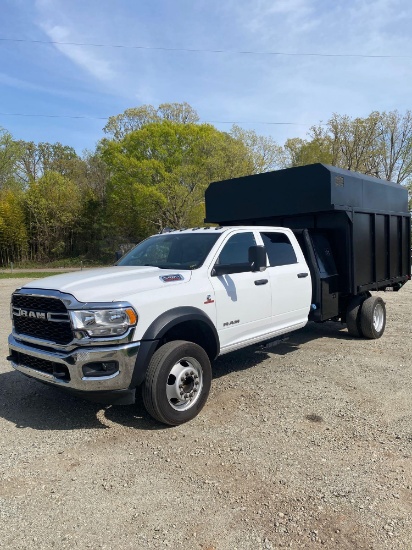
<point x="110" y="284"/>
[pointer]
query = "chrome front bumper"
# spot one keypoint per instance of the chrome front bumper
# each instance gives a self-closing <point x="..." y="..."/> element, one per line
<point x="74" y="360"/>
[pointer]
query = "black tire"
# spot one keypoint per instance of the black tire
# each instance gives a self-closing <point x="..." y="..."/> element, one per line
<point x="373" y="317"/>
<point x="177" y="382"/>
<point x="353" y="311"/>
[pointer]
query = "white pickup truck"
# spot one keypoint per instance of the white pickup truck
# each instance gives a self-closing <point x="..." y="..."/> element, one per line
<point x="161" y="315"/>
<point x="158" y="318"/>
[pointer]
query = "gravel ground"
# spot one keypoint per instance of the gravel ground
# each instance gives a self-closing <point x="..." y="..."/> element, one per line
<point x="307" y="445"/>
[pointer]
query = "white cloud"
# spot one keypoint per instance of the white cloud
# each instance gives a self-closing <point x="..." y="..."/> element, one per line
<point x="61" y="25"/>
<point x="226" y="86"/>
<point x="276" y="20"/>
<point x="80" y="55"/>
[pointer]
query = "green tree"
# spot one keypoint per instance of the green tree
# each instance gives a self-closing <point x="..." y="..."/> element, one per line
<point x="395" y="146"/>
<point x="299" y="152"/>
<point x="92" y="234"/>
<point x="379" y="145"/>
<point x="35" y="160"/>
<point x="265" y="153"/>
<point x="135" y="118"/>
<point x="13" y="234"/>
<point x="159" y="173"/>
<point x="355" y="144"/>
<point x="53" y="205"/>
<point x="9" y="153"/>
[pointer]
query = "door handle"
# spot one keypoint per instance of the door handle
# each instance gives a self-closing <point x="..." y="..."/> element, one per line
<point x="261" y="282"/>
<point x="302" y="275"/>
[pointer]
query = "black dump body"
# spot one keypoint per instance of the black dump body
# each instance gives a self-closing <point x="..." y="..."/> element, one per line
<point x="355" y="230"/>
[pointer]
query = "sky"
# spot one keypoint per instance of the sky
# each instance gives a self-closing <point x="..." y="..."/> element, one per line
<point x="76" y="87"/>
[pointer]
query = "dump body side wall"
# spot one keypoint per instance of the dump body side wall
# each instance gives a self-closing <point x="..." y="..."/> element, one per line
<point x="366" y="220"/>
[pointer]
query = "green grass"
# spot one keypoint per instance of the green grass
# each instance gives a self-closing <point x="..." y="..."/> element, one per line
<point x="67" y="262"/>
<point x="29" y="274"/>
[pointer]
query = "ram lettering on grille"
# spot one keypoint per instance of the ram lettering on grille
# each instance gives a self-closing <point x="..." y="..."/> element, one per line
<point x="41" y="317"/>
<point x="32" y="314"/>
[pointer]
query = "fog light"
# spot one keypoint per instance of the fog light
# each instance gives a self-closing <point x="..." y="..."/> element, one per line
<point x="107" y="368"/>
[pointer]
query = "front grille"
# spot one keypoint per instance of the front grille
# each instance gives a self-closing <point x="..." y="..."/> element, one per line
<point x="42" y="365"/>
<point x="41" y="303"/>
<point x="57" y="331"/>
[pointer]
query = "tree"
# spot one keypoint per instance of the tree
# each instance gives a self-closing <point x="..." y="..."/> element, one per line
<point x="265" y="153"/>
<point x="9" y="153"/>
<point x="36" y="159"/>
<point x="135" y="118"/>
<point x="13" y="234"/>
<point x="159" y="173"/>
<point x="395" y="146"/>
<point x="182" y="113"/>
<point x="379" y="145"/>
<point x="355" y="144"/>
<point x="92" y="233"/>
<point x="299" y="152"/>
<point x="53" y="206"/>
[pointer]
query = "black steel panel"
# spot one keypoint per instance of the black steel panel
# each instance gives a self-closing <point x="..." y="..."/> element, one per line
<point x="330" y="298"/>
<point x="337" y="226"/>
<point x="363" y="247"/>
<point x="295" y="191"/>
<point x="381" y="247"/>
<point x="406" y="246"/>
<point x="394" y="256"/>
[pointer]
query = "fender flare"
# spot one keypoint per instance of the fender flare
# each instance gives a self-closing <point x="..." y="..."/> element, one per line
<point x="159" y="327"/>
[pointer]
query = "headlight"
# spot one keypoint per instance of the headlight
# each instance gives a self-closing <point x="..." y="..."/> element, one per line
<point x="104" y="322"/>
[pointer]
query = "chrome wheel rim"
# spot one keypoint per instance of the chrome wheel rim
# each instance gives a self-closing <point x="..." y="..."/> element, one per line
<point x="378" y="317"/>
<point x="184" y="384"/>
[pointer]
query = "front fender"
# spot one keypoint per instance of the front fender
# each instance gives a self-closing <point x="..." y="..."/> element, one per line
<point x="157" y="330"/>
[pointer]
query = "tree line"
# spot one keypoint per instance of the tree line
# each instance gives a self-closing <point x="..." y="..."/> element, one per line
<point x="150" y="171"/>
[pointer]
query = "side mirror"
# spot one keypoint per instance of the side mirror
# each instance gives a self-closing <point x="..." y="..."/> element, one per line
<point x="118" y="254"/>
<point x="257" y="258"/>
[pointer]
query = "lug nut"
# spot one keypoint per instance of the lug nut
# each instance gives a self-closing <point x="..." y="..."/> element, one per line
<point x="194" y="390"/>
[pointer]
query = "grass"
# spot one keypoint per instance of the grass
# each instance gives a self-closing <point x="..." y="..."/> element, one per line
<point x="67" y="262"/>
<point x="29" y="274"/>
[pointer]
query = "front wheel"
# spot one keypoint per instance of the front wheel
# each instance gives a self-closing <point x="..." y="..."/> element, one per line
<point x="373" y="317"/>
<point x="177" y="382"/>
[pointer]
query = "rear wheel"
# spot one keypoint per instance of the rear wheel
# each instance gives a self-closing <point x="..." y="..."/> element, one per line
<point x="373" y="317"/>
<point x="353" y="317"/>
<point x="177" y="383"/>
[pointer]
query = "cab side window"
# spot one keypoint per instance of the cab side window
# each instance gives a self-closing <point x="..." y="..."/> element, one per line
<point x="236" y="250"/>
<point x="279" y="249"/>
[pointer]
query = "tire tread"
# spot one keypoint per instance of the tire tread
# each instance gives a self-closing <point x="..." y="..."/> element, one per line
<point x="366" y="318"/>
<point x="150" y="400"/>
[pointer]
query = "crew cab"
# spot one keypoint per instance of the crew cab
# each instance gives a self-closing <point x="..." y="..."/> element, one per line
<point x="161" y="315"/>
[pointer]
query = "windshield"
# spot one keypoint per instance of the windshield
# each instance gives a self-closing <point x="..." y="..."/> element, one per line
<point x="172" y="251"/>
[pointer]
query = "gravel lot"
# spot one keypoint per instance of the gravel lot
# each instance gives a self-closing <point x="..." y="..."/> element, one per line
<point x="307" y="445"/>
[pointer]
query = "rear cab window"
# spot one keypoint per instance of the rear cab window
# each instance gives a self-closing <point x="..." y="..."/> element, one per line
<point x="279" y="249"/>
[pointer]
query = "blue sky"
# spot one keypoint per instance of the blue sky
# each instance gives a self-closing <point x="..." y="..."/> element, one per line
<point x="97" y="82"/>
